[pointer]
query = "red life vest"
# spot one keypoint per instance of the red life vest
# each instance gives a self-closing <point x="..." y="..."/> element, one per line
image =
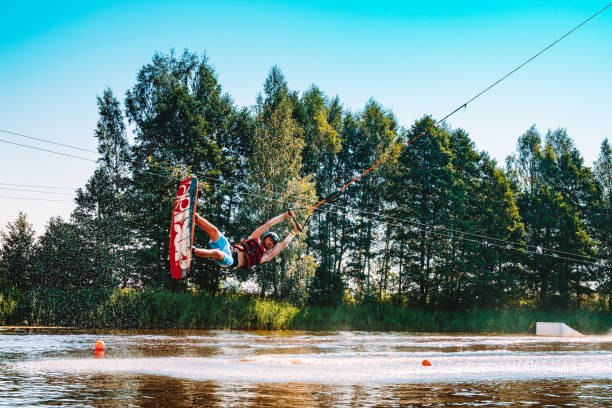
<point x="253" y="251"/>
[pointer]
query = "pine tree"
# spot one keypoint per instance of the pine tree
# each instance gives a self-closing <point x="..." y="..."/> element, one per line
<point x="466" y="269"/>
<point x="495" y="214"/>
<point x="17" y="244"/>
<point x="65" y="258"/>
<point x="421" y="195"/>
<point x="101" y="206"/>
<point x="183" y="123"/>
<point x="367" y="137"/>
<point x="321" y="121"/>
<point x="274" y="174"/>
<point x="554" y="194"/>
<point x="602" y="220"/>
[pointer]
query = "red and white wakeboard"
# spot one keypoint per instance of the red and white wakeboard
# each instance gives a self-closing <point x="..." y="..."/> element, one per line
<point x="181" y="230"/>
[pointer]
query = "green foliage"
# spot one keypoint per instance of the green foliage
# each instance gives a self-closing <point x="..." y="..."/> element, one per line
<point x="437" y="226"/>
<point x="16" y="246"/>
<point x="66" y="257"/>
<point x="556" y="194"/>
<point x="12" y="307"/>
<point x="183" y="124"/>
<point x="101" y="215"/>
<point x="600" y="220"/>
<point x="274" y="170"/>
<point x="163" y="309"/>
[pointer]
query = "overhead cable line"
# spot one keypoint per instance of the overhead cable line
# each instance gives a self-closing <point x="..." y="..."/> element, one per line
<point x="36" y="186"/>
<point x="534" y="57"/>
<point x="130" y="161"/>
<point x="504" y="247"/>
<point x="48" y="151"/>
<point x="35" y="199"/>
<point x="497" y="245"/>
<point x="403" y="220"/>
<point x="303" y="200"/>
<point x="513" y="245"/>
<point x="35" y="191"/>
<point x="48" y="141"/>
<point x="423" y="225"/>
<point x="462" y="106"/>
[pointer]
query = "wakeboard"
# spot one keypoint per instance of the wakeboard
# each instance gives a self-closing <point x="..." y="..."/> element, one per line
<point x="181" y="229"/>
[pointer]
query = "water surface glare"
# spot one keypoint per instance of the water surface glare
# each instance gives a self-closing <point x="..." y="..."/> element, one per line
<point x="231" y="368"/>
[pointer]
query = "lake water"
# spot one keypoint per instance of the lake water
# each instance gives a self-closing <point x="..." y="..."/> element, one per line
<point x="232" y="368"/>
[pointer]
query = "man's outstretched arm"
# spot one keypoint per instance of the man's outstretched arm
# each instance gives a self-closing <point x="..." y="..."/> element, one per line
<point x="269" y="224"/>
<point x="279" y="247"/>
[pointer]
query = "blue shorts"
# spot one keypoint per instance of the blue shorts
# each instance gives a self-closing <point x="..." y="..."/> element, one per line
<point x="224" y="246"/>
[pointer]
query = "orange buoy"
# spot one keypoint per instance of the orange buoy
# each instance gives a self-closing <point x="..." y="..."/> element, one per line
<point x="426" y="363"/>
<point x="99" y="346"/>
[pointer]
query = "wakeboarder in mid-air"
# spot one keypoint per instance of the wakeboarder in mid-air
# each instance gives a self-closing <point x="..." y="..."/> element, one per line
<point x="260" y="247"/>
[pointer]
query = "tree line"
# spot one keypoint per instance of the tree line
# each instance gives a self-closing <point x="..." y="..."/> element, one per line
<point x="440" y="225"/>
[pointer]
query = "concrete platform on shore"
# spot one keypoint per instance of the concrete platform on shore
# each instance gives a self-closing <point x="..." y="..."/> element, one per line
<point x="556" y="329"/>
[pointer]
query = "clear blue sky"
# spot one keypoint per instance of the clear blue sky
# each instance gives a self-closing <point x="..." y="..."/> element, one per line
<point x="413" y="57"/>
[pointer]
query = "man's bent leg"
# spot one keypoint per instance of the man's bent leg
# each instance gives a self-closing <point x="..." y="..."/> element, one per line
<point x="223" y="246"/>
<point x="209" y="253"/>
<point x="210" y="229"/>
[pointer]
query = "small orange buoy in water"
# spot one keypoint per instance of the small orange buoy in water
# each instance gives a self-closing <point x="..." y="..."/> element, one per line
<point x="426" y="363"/>
<point x="99" y="346"/>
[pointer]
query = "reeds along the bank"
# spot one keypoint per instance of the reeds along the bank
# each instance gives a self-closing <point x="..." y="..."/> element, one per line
<point x="163" y="309"/>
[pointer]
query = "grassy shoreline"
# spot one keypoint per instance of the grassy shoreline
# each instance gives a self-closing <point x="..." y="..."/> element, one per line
<point x="163" y="309"/>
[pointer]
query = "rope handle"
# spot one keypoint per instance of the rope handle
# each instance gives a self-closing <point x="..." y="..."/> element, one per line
<point x="297" y="225"/>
